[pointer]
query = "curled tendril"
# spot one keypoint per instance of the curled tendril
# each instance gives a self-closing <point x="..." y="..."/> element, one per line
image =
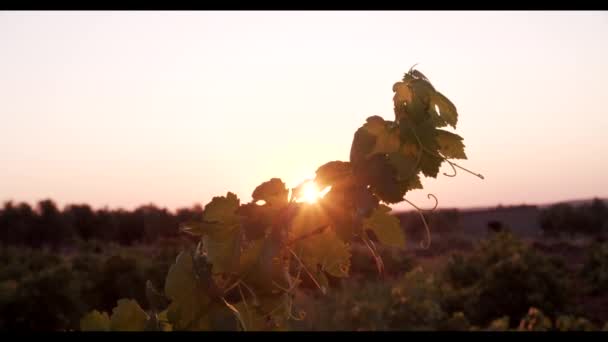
<point x="412" y="68"/>
<point x="467" y="170"/>
<point x="453" y="169"/>
<point x="426" y="226"/>
<point x="435" y="154"/>
<point x="429" y="196"/>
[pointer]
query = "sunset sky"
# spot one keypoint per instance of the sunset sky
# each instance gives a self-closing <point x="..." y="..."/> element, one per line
<point x="172" y="108"/>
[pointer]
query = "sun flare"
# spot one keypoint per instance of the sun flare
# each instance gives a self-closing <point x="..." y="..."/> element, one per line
<point x="310" y="192"/>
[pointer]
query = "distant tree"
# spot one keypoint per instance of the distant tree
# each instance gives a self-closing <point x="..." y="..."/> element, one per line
<point x="495" y="226"/>
<point x="16" y="222"/>
<point x="564" y="218"/>
<point x="50" y="227"/>
<point x="82" y="220"/>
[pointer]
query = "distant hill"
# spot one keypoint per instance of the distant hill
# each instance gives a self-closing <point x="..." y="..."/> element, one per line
<point x="522" y="220"/>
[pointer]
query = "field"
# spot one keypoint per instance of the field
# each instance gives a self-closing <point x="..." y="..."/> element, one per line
<point x="477" y="271"/>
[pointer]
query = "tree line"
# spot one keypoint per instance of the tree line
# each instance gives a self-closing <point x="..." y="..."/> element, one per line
<point x="47" y="225"/>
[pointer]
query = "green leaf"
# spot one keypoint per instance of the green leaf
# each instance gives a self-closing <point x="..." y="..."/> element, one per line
<point x="430" y="164"/>
<point x="223" y="249"/>
<point x="435" y="118"/>
<point x="189" y="298"/>
<point x="413" y="184"/>
<point x="446" y="108"/>
<point x="218" y="214"/>
<point x="323" y="251"/>
<point x="450" y="144"/>
<point x="499" y="324"/>
<point x="273" y="192"/>
<point x="405" y="165"/>
<point x="382" y="178"/>
<point x="128" y="316"/>
<point x="221" y="230"/>
<point x="386" y="134"/>
<point x="261" y="268"/>
<point x="258" y="317"/>
<point x="424" y="133"/>
<point x="95" y="321"/>
<point x="407" y="170"/>
<point x="386" y="227"/>
<point x="221" y="209"/>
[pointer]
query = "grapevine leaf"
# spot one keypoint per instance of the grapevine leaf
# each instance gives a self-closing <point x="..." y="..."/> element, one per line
<point x="437" y="120"/>
<point x="386" y="137"/>
<point x="381" y="176"/>
<point x="128" y="316"/>
<point x="417" y="111"/>
<point x="386" y="227"/>
<point x="420" y="75"/>
<point x="256" y="219"/>
<point x="450" y="145"/>
<point x="403" y="94"/>
<point x="188" y="297"/>
<point x="410" y="149"/>
<point x="250" y="255"/>
<point x="223" y="248"/>
<point x="260" y="317"/>
<point x="95" y="321"/>
<point x="430" y="164"/>
<point x="155" y="299"/>
<point x="218" y="213"/>
<point x="324" y="250"/>
<point x="422" y="89"/>
<point x="406" y="166"/>
<point x="273" y="192"/>
<point x="221" y="209"/>
<point x="363" y="144"/>
<point x="407" y="170"/>
<point x="158" y="322"/>
<point x="333" y="172"/>
<point x="338" y="204"/>
<point x="221" y="232"/>
<point x="414" y="183"/>
<point x="424" y="134"/>
<point x="164" y="325"/>
<point x="261" y="268"/>
<point x="365" y="201"/>
<point x="277" y="309"/>
<point x="446" y="108"/>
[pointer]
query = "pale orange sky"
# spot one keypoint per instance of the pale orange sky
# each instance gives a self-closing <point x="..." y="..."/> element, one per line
<point x="128" y="108"/>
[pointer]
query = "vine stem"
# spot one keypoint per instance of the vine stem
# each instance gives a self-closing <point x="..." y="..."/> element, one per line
<point x="306" y="269"/>
<point x="314" y="232"/>
<point x="377" y="258"/>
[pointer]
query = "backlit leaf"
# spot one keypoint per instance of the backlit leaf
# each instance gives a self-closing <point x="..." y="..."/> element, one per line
<point x="386" y="227"/>
<point x="95" y="321"/>
<point x="128" y="316"/>
<point x="450" y="145"/>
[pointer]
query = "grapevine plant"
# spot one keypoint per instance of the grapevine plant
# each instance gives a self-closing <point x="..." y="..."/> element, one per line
<point x="252" y="257"/>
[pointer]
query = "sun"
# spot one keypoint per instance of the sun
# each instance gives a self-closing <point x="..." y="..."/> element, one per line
<point x="310" y="192"/>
